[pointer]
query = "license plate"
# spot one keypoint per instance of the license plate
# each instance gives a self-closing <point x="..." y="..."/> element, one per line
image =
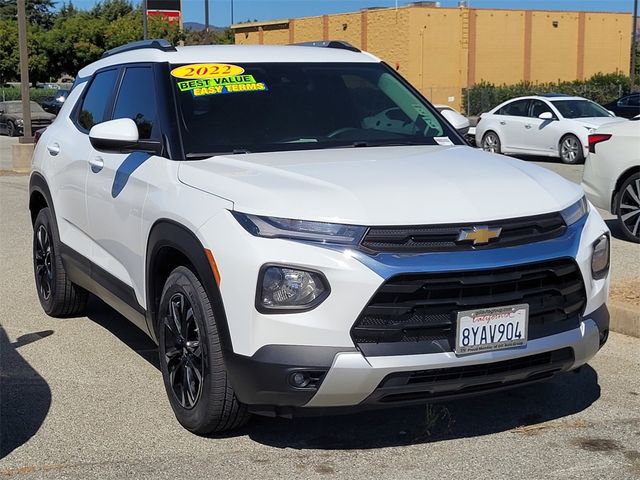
<point x="492" y="329"/>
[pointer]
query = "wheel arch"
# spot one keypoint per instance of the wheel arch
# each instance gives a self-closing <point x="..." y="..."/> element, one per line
<point x="169" y="245"/>
<point x="39" y="196"/>
<point x="621" y="179"/>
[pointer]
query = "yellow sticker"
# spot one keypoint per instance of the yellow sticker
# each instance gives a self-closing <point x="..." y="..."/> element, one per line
<point x="207" y="70"/>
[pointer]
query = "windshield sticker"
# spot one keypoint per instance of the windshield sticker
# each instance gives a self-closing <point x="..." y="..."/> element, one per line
<point x="207" y="70"/>
<point x="221" y="85"/>
<point x="443" y="140"/>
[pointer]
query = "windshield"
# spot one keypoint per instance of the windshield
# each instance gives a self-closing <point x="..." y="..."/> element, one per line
<point x="294" y="106"/>
<point x="580" y="109"/>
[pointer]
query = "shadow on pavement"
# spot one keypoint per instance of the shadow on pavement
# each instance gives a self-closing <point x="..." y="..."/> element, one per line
<point x="565" y="395"/>
<point x="25" y="396"/>
<point x="138" y="341"/>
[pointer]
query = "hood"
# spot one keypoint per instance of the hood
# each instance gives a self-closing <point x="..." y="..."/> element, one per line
<point x="595" y="122"/>
<point x="36" y="116"/>
<point x="382" y="185"/>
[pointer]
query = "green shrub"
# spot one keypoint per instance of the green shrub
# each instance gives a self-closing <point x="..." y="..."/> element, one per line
<point x="601" y="88"/>
<point x="37" y="94"/>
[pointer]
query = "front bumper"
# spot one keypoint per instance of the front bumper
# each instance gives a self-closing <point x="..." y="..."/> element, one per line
<point x="267" y="348"/>
<point x="349" y="380"/>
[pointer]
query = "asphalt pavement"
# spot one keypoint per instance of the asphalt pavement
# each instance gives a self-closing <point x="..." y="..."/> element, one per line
<point x="83" y="398"/>
<point x="6" y="160"/>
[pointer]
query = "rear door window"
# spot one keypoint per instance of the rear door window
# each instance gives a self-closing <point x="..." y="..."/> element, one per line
<point x="518" y="108"/>
<point x="96" y="100"/>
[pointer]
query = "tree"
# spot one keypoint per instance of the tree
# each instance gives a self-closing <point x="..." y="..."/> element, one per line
<point x="212" y="37"/>
<point x="39" y="12"/>
<point x="111" y="10"/>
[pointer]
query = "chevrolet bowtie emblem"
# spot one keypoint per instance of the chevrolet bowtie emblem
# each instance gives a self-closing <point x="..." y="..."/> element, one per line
<point x="480" y="235"/>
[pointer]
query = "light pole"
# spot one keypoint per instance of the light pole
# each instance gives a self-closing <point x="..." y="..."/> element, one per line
<point x="206" y="15"/>
<point x="145" y="28"/>
<point x="27" y="136"/>
<point x="634" y="35"/>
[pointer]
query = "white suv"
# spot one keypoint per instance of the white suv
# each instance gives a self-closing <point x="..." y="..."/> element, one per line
<point x="249" y="209"/>
<point x="552" y="125"/>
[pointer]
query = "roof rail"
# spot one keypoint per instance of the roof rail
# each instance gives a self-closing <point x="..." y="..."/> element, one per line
<point x="158" y="44"/>
<point x="329" y="44"/>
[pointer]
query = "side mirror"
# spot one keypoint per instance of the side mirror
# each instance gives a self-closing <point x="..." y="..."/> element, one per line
<point x="459" y="122"/>
<point x="120" y="135"/>
<point x="611" y="113"/>
<point x="546" y="116"/>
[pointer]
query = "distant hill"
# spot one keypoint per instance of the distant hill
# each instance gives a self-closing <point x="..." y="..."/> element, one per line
<point x="200" y="26"/>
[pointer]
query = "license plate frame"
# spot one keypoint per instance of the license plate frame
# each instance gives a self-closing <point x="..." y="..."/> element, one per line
<point x="515" y="315"/>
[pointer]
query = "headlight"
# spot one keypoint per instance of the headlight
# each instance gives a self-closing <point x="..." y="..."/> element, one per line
<point x="289" y="289"/>
<point x="575" y="212"/>
<point x="322" y="232"/>
<point x="600" y="257"/>
<point x="19" y="122"/>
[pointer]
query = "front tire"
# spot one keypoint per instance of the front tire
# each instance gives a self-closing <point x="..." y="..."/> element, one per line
<point x="491" y="143"/>
<point x="11" y="129"/>
<point x="58" y="296"/>
<point x="628" y="207"/>
<point x="571" y="151"/>
<point x="191" y="361"/>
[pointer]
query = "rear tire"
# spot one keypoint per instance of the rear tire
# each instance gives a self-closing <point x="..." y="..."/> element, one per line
<point x="193" y="369"/>
<point x="491" y="143"/>
<point x="627" y="207"/>
<point x="571" y="151"/>
<point x="58" y="295"/>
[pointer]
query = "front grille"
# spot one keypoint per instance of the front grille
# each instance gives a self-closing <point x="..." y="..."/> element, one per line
<point x="469" y="379"/>
<point x="433" y="238"/>
<point x="416" y="313"/>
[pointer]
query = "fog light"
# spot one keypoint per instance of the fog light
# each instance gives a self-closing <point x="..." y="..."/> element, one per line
<point x="283" y="288"/>
<point x="299" y="379"/>
<point x="600" y="257"/>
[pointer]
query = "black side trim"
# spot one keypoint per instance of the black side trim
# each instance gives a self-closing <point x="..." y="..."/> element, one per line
<point x="101" y="283"/>
<point x="263" y="379"/>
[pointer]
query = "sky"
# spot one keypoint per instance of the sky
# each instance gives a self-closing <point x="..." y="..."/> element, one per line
<point x="220" y="10"/>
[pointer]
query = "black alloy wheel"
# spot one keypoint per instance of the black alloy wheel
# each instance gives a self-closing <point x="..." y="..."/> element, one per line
<point x="184" y="356"/>
<point x="42" y="259"/>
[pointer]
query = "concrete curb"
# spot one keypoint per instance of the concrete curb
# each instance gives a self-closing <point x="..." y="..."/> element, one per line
<point x="625" y="318"/>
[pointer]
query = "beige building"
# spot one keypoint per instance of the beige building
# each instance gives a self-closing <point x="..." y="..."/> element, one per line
<point x="444" y="50"/>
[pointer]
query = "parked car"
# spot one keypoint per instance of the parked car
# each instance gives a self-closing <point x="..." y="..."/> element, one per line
<point x="290" y="251"/>
<point x="54" y="104"/>
<point x="455" y="118"/>
<point x="50" y="86"/>
<point x="627" y="106"/>
<point x="549" y="125"/>
<point x="12" y="120"/>
<point x="612" y="174"/>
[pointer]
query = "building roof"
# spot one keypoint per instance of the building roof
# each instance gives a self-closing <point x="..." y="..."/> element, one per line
<point x="233" y="54"/>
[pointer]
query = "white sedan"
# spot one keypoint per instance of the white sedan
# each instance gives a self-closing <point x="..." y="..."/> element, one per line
<point x="612" y="174"/>
<point x="550" y="125"/>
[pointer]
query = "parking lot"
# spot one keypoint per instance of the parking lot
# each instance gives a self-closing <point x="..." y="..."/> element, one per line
<point x="83" y="398"/>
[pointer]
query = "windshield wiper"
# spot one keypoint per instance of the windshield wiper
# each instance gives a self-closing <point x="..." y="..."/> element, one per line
<point x="201" y="156"/>
<point x="391" y="143"/>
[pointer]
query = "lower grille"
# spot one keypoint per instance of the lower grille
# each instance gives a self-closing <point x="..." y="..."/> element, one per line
<point x="470" y="379"/>
<point x="416" y="313"/>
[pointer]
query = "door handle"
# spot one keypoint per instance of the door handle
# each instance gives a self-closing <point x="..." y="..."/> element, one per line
<point x="502" y="122"/>
<point x="528" y="125"/>
<point x="54" y="149"/>
<point x="96" y="164"/>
